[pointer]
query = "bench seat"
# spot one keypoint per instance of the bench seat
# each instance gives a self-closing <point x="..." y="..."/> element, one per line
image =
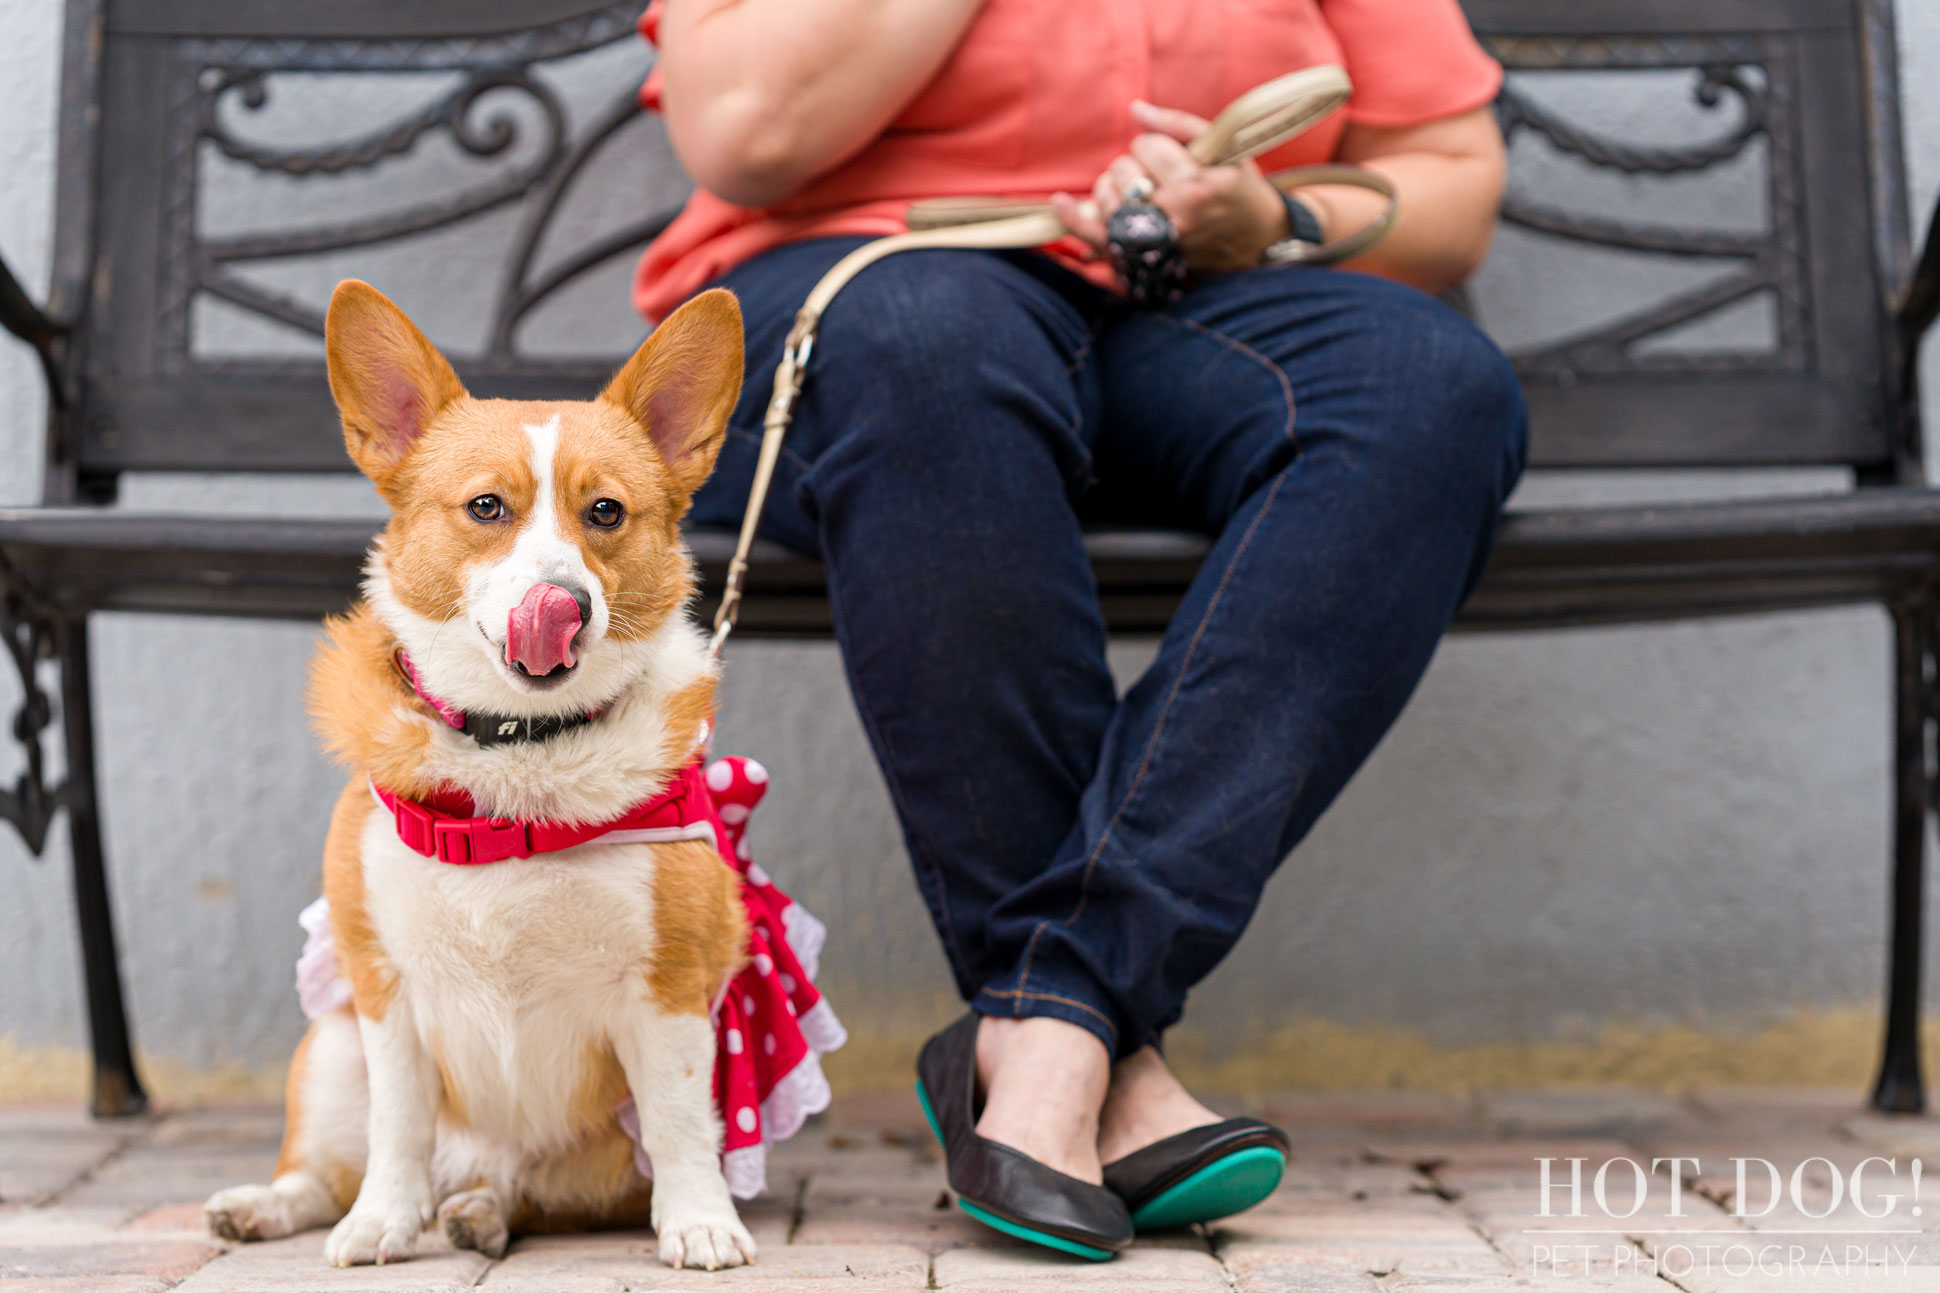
<point x="1553" y="567"/>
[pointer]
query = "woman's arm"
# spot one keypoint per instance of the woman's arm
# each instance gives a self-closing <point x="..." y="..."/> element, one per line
<point x="760" y="96"/>
<point x="1448" y="174"/>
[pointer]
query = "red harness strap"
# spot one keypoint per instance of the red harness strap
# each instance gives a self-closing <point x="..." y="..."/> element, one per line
<point x="679" y="811"/>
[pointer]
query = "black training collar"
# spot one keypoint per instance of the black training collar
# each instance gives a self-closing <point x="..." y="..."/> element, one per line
<point x="503" y="729"/>
<point x="488" y="729"/>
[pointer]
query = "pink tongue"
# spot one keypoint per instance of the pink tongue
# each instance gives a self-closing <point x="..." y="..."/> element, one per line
<point x="540" y="632"/>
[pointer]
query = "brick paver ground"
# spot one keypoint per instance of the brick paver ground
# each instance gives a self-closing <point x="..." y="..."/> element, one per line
<point x="1398" y="1192"/>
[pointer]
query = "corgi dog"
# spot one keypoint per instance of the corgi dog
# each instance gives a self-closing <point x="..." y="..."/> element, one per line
<point x="533" y="572"/>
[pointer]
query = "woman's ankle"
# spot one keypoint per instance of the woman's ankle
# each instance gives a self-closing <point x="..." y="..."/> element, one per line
<point x="1145" y="1103"/>
<point x="1044" y="1083"/>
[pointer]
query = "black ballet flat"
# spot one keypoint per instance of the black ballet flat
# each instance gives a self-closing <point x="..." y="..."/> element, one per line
<point x="1200" y="1175"/>
<point x="994" y="1183"/>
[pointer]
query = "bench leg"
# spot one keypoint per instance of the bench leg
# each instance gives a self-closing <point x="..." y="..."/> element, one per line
<point x="1900" y="1088"/>
<point x="117" y="1088"/>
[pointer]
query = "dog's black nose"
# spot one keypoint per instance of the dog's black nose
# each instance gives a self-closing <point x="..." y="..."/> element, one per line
<point x="580" y="596"/>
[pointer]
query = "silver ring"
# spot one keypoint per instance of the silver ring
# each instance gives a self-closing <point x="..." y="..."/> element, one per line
<point x="1139" y="190"/>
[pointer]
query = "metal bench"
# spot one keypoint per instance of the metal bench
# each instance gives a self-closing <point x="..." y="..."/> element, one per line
<point x="156" y="103"/>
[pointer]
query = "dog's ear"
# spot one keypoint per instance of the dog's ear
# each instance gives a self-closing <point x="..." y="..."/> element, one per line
<point x="682" y="384"/>
<point x="388" y="380"/>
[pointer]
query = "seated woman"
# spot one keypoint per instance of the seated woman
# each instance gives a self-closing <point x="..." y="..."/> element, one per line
<point x="1346" y="440"/>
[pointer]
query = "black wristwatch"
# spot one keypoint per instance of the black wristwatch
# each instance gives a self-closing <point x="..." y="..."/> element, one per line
<point x="1307" y="235"/>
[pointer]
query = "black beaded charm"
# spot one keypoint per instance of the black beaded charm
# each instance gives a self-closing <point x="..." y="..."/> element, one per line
<point x="1143" y="245"/>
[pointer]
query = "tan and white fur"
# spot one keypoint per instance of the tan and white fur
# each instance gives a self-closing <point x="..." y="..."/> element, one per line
<point x="500" y="1012"/>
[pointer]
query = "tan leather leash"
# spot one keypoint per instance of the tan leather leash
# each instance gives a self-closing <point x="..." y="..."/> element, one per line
<point x="1259" y="120"/>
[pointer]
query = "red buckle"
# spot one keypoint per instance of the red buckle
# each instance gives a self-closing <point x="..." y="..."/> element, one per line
<point x="415" y="825"/>
<point x="474" y="841"/>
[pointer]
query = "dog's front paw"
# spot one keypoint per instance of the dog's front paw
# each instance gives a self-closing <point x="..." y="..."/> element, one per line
<point x="475" y="1220"/>
<point x="245" y="1212"/>
<point x="381" y="1231"/>
<point x="704" y="1239"/>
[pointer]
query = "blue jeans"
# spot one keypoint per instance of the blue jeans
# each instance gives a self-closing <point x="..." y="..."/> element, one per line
<point x="1347" y="443"/>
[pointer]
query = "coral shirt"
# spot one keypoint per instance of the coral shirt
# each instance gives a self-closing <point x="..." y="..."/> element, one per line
<point x="1035" y="100"/>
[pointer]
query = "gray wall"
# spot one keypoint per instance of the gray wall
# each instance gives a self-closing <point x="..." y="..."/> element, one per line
<point x="1652" y="855"/>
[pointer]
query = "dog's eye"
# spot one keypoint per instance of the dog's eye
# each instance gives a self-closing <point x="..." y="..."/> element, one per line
<point x="486" y="507"/>
<point x="605" y="513"/>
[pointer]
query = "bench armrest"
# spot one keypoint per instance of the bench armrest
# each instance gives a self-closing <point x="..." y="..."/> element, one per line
<point x="20" y="316"/>
<point x="1920" y="304"/>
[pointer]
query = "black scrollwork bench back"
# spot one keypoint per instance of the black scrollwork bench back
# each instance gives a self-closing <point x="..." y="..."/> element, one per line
<point x="179" y="83"/>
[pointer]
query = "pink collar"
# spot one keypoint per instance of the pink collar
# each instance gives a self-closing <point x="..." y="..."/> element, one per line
<point x="683" y="811"/>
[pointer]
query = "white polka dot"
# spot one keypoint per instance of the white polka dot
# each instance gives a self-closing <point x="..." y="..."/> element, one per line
<point x="734" y="814"/>
<point x="787" y="983"/>
<point x="744" y="1118"/>
<point x="790" y="1005"/>
<point x="742" y="851"/>
<point x="757" y="876"/>
<point x="763" y="964"/>
<point x="754" y="772"/>
<point x="747" y="1005"/>
<point x="768" y="1044"/>
<point x="734" y="1042"/>
<point x="719" y="775"/>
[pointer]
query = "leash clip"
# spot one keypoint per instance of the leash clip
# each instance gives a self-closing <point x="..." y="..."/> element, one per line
<point x="801" y="344"/>
<point x="724" y="623"/>
<point x="792" y="372"/>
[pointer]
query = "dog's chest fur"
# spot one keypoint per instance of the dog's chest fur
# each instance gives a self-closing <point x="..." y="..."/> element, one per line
<point x="515" y="974"/>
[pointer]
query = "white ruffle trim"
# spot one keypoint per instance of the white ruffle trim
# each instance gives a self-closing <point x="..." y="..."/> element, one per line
<point x="822" y="1030"/>
<point x="320" y="986"/>
<point x="801" y="1092"/>
<point x="805" y="936"/>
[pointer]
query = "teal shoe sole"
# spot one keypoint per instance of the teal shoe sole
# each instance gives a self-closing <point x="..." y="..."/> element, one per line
<point x="1011" y="1228"/>
<point x="1219" y="1189"/>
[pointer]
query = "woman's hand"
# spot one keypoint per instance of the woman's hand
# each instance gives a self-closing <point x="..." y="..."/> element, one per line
<point x="1226" y="215"/>
<point x="1449" y="174"/>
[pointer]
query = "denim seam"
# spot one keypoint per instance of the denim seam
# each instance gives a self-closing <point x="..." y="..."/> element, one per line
<point x="1239" y="347"/>
<point x="1158" y="730"/>
<point x="1102" y="1017"/>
